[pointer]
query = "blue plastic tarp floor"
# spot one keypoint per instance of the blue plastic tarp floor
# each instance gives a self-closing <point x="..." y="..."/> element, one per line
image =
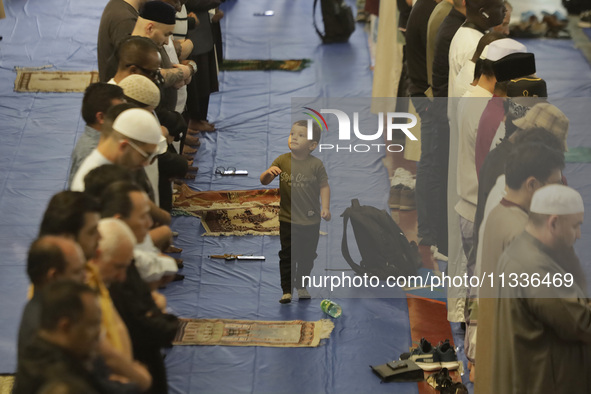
<point x="253" y="114"/>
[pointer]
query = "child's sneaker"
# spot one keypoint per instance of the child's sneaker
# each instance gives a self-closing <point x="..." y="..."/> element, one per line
<point x="286" y="298"/>
<point x="424" y="356"/>
<point x="303" y="294"/>
<point x="447" y="356"/>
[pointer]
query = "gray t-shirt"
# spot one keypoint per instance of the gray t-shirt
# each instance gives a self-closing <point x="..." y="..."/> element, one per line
<point x="117" y="23"/>
<point x="85" y="145"/>
<point x="299" y="188"/>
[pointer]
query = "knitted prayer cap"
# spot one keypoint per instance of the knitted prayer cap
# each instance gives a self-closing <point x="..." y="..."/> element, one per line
<point x="138" y="124"/>
<point x="557" y="200"/>
<point x="547" y="116"/>
<point x="141" y="89"/>
<point x="159" y="11"/>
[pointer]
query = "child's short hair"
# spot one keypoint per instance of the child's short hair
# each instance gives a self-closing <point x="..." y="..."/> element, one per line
<point x="315" y="129"/>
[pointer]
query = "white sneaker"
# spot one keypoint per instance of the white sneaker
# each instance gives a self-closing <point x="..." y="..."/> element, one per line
<point x="303" y="294"/>
<point x="403" y="177"/>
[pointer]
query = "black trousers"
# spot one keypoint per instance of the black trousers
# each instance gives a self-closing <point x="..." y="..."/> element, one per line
<point x="297" y="254"/>
<point x="202" y="85"/>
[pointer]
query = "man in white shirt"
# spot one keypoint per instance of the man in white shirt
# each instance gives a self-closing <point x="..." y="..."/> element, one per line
<point x="481" y="15"/>
<point x="132" y="143"/>
<point x="465" y="181"/>
<point x="128" y="202"/>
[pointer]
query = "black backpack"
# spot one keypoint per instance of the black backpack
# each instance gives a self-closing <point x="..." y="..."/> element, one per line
<point x="338" y="19"/>
<point x="575" y="6"/>
<point x="384" y="249"/>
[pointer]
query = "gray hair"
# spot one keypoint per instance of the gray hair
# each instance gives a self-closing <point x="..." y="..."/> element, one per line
<point x="114" y="233"/>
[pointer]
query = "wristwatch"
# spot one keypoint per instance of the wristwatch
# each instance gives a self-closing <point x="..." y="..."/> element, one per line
<point x="193" y="66"/>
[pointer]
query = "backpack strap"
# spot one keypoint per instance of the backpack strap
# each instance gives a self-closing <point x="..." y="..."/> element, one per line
<point x="322" y="36"/>
<point x="345" y="246"/>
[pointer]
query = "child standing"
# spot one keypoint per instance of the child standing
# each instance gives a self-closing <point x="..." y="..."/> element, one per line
<point x="305" y="198"/>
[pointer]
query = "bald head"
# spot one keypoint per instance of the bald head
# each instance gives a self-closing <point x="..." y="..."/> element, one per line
<point x="155" y="31"/>
<point x="115" y="249"/>
<point x="55" y="257"/>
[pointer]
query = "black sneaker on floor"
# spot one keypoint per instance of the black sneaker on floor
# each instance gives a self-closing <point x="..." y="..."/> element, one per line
<point x="425" y="356"/>
<point x="446" y="355"/>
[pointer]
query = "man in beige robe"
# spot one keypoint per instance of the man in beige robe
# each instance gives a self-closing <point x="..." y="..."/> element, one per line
<point x="529" y="167"/>
<point x="542" y="329"/>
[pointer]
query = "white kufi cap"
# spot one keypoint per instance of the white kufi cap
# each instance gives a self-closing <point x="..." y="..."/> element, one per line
<point x="138" y="124"/>
<point x="498" y="49"/>
<point x="557" y="200"/>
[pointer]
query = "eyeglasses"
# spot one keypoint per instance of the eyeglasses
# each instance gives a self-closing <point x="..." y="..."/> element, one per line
<point x="229" y="171"/>
<point x="154" y="75"/>
<point x="150" y="157"/>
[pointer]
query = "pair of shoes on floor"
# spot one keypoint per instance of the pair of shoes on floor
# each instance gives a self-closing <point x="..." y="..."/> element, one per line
<point x="402" y="190"/>
<point x="442" y="382"/>
<point x="430" y="358"/>
<point x="585" y="20"/>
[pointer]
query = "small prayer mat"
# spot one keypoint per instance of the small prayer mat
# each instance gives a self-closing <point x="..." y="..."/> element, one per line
<point x="235" y="212"/>
<point x="34" y="80"/>
<point x="226" y="332"/>
<point x="6" y="383"/>
<point x="265" y="65"/>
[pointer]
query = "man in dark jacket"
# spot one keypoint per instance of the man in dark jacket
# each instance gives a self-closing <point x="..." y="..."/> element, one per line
<point x="63" y="352"/>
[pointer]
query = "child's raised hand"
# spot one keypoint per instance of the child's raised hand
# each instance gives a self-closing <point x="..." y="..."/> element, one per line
<point x="274" y="170"/>
<point x="325" y="214"/>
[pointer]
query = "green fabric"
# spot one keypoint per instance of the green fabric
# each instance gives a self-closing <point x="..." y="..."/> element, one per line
<point x="265" y="65"/>
<point x="299" y="188"/>
<point x="578" y="155"/>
